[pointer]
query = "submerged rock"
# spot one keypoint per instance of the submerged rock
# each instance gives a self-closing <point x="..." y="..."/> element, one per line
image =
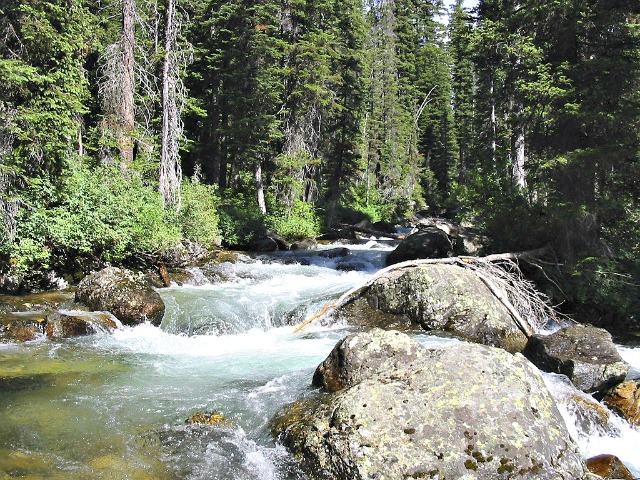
<point x="431" y="242"/>
<point x="585" y="354"/>
<point x="14" y="328"/>
<point x="609" y="467"/>
<point x="335" y="252"/>
<point x="208" y="419"/>
<point x="624" y="399"/>
<point x="305" y="244"/>
<point x="76" y="323"/>
<point x="466" y="411"/>
<point x="436" y="297"/>
<point x="128" y="295"/>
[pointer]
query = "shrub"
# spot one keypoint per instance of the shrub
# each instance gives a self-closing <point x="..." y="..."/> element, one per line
<point x="300" y="221"/>
<point x="97" y="213"/>
<point x="240" y="219"/>
<point x="198" y="218"/>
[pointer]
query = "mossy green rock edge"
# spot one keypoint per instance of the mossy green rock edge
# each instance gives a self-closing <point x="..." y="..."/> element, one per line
<point x="436" y="297"/>
<point x="127" y="295"/>
<point x="466" y="411"/>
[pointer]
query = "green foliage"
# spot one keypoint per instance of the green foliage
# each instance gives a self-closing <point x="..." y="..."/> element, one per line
<point x="198" y="217"/>
<point x="300" y="221"/>
<point x="371" y="204"/>
<point x="606" y="288"/>
<point x="240" y="219"/>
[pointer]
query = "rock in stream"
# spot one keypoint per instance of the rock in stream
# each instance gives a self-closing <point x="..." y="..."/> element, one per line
<point x="436" y="297"/>
<point x="401" y="411"/>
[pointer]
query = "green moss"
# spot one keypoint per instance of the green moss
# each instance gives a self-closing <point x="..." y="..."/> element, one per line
<point x="471" y="465"/>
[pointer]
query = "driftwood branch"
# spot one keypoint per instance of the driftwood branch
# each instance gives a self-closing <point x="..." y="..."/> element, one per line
<point x="499" y="272"/>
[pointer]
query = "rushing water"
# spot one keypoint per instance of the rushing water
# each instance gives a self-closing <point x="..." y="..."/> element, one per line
<point x="115" y="405"/>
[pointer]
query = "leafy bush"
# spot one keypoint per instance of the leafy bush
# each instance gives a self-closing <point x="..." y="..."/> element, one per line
<point x="240" y="219"/>
<point x="198" y="218"/>
<point x="299" y="222"/>
<point x="97" y="213"/>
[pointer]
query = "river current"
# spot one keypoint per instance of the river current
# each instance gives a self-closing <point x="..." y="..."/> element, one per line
<point x="115" y="405"/>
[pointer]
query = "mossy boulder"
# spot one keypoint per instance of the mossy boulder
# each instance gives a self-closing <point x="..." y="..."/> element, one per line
<point x="127" y="295"/>
<point x="585" y="354"/>
<point x="465" y="411"/>
<point x="436" y="297"/>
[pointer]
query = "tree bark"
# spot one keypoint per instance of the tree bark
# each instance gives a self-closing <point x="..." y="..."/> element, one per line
<point x="127" y="115"/>
<point x="170" y="168"/>
<point x="518" y="173"/>
<point x="260" y="187"/>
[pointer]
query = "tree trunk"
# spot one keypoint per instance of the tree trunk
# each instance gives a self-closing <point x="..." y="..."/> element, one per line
<point x="170" y="169"/>
<point x="494" y="124"/>
<point x="260" y="188"/>
<point x="127" y="117"/>
<point x="518" y="173"/>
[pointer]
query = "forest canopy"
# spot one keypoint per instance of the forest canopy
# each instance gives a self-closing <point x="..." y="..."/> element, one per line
<point x="128" y="127"/>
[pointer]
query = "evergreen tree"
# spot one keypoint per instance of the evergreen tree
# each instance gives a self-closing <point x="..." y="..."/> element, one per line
<point x="344" y="117"/>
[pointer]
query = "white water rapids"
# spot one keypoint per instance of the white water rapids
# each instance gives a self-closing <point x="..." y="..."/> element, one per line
<point x="115" y="405"/>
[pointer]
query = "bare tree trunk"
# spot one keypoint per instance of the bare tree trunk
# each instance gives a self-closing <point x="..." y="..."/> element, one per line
<point x="494" y="124"/>
<point x="127" y="105"/>
<point x="518" y="173"/>
<point x="170" y="168"/>
<point x="260" y="187"/>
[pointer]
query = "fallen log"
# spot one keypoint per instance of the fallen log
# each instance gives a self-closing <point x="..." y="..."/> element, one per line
<point x="499" y="272"/>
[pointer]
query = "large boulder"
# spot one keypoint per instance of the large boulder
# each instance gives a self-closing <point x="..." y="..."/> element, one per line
<point x="466" y="411"/>
<point x="358" y="357"/>
<point x="585" y="354"/>
<point x="436" y="297"/>
<point x="430" y="242"/>
<point x="263" y="243"/>
<point x="127" y="295"/>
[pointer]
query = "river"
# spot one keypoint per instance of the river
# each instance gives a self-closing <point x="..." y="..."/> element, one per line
<point x="115" y="405"/>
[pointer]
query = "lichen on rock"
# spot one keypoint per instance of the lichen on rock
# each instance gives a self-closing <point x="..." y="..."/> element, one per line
<point x="465" y="411"/>
<point x="436" y="297"/>
<point x="127" y="295"/>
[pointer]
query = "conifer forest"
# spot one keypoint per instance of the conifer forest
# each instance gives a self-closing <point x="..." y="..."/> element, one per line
<point x="130" y="127"/>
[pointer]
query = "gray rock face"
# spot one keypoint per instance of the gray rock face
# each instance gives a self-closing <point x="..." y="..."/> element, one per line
<point x="305" y="244"/>
<point x="357" y="357"/>
<point x="585" y="354"/>
<point x="436" y="297"/>
<point x="127" y="295"/>
<point x="428" y="243"/>
<point x="467" y="411"/>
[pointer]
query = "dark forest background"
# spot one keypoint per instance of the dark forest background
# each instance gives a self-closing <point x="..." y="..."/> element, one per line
<point x="130" y="127"/>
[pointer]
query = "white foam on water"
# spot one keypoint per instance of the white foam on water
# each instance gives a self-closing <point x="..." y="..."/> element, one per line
<point x="632" y="357"/>
<point x="150" y="340"/>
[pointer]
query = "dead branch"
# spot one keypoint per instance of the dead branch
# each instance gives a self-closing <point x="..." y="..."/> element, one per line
<point x="529" y="308"/>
